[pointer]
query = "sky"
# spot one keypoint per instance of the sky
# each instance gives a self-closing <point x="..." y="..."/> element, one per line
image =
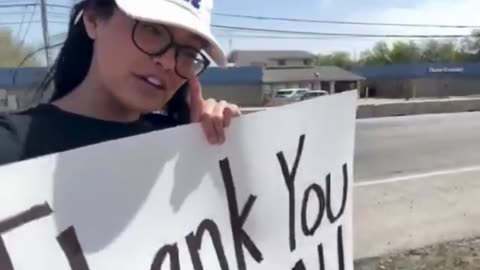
<point x="449" y="12"/>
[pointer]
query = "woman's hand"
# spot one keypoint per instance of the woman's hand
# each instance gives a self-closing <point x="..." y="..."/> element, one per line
<point x="214" y="116"/>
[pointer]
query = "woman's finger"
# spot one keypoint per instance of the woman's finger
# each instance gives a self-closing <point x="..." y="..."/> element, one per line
<point x="196" y="100"/>
<point x="236" y="110"/>
<point x="218" y="118"/>
<point x="230" y="111"/>
<point x="228" y="114"/>
<point x="207" y="124"/>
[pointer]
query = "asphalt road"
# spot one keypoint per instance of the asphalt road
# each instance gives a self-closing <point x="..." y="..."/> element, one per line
<point x="399" y="146"/>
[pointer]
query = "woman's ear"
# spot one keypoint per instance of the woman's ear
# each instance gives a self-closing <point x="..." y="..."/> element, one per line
<point x="90" y="20"/>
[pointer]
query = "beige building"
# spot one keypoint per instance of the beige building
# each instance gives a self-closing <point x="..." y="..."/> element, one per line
<point x="271" y="59"/>
<point x="330" y="78"/>
<point x="254" y="76"/>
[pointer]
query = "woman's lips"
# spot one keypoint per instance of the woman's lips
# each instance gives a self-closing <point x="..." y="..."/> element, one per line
<point x="153" y="81"/>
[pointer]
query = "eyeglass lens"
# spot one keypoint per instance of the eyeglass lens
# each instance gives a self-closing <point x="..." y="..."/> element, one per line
<point x="154" y="40"/>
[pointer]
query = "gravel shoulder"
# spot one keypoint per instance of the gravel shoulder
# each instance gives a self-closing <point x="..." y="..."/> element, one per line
<point x="456" y="255"/>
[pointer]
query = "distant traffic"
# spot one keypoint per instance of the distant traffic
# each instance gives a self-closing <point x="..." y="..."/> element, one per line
<point x="291" y="95"/>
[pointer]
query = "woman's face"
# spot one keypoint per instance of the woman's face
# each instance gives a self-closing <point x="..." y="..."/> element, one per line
<point x="139" y="81"/>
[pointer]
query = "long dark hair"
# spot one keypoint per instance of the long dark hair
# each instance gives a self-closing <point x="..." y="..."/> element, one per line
<point x="74" y="60"/>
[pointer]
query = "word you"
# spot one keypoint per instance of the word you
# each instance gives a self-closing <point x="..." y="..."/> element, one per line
<point x="243" y="242"/>
<point x="195" y="3"/>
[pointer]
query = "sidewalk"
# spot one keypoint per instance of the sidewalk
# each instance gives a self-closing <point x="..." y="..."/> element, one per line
<point x="409" y="213"/>
<point x="456" y="255"/>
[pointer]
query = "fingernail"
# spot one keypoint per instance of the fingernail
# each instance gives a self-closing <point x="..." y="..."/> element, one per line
<point x="212" y="140"/>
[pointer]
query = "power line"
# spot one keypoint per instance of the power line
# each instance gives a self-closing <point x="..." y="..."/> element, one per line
<point x="32" y="5"/>
<point x="297" y="37"/>
<point x="57" y="15"/>
<point x="286" y="19"/>
<point x="311" y="38"/>
<point x="21" y="25"/>
<point x="10" y="2"/>
<point x="225" y="27"/>
<point x="59" y="6"/>
<point x="17" y="5"/>
<point x="343" y="22"/>
<point x="37" y="21"/>
<point x="28" y="26"/>
<point x="276" y="37"/>
<point x="14" y="77"/>
<point x="3" y="14"/>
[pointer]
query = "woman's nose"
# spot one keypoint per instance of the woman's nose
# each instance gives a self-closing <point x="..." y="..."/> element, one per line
<point x="166" y="60"/>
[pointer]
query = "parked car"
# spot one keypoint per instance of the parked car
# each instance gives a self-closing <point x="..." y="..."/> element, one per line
<point x="313" y="94"/>
<point x="290" y="95"/>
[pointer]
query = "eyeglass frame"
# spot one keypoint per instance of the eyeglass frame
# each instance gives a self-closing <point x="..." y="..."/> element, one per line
<point x="171" y="44"/>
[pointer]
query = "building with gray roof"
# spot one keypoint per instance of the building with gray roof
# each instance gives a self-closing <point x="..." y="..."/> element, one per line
<point x="267" y="59"/>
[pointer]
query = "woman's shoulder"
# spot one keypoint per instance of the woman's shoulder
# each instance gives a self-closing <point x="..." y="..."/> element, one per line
<point x="18" y="123"/>
<point x="20" y="130"/>
<point x="13" y="130"/>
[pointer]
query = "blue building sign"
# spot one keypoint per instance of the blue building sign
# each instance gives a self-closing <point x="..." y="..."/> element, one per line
<point x="446" y="69"/>
<point x="412" y="71"/>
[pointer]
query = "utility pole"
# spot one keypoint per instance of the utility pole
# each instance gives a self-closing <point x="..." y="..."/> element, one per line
<point x="43" y="12"/>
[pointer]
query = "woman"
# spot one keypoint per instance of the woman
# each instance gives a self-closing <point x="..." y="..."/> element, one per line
<point x="122" y="61"/>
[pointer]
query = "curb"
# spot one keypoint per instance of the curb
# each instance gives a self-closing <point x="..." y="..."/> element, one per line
<point x="406" y="108"/>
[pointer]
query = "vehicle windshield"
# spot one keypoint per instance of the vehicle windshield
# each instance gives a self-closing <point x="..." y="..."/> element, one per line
<point x="283" y="93"/>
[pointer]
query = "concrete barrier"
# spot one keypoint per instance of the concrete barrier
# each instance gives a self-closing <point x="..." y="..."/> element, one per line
<point x="402" y="108"/>
<point x="366" y="111"/>
<point x="394" y="109"/>
<point x="434" y="107"/>
<point x="466" y="105"/>
<point x="423" y="107"/>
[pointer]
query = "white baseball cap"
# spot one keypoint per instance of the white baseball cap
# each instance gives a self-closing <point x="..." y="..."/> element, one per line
<point x="191" y="15"/>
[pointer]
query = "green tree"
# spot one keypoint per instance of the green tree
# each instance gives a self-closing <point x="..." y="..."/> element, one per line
<point x="339" y="59"/>
<point x="405" y="52"/>
<point x="378" y="55"/>
<point x="435" y="51"/>
<point x="12" y="52"/>
<point x="470" y="47"/>
<point x="429" y="51"/>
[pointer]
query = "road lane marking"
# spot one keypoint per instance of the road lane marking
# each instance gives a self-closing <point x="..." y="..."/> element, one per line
<point x="415" y="176"/>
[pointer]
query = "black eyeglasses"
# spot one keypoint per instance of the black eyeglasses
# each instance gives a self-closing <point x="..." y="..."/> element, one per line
<point x="155" y="40"/>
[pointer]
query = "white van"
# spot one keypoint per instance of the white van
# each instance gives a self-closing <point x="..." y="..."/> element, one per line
<point x="314" y="94"/>
<point x="289" y="95"/>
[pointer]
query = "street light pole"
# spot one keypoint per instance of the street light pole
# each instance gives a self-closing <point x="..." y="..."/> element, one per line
<point x="317" y="77"/>
<point x="43" y="12"/>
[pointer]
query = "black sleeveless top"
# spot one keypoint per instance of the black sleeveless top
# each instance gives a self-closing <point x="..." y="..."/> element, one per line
<point x="47" y="129"/>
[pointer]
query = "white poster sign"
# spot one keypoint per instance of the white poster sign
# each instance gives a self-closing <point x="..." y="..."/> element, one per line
<point x="276" y="195"/>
